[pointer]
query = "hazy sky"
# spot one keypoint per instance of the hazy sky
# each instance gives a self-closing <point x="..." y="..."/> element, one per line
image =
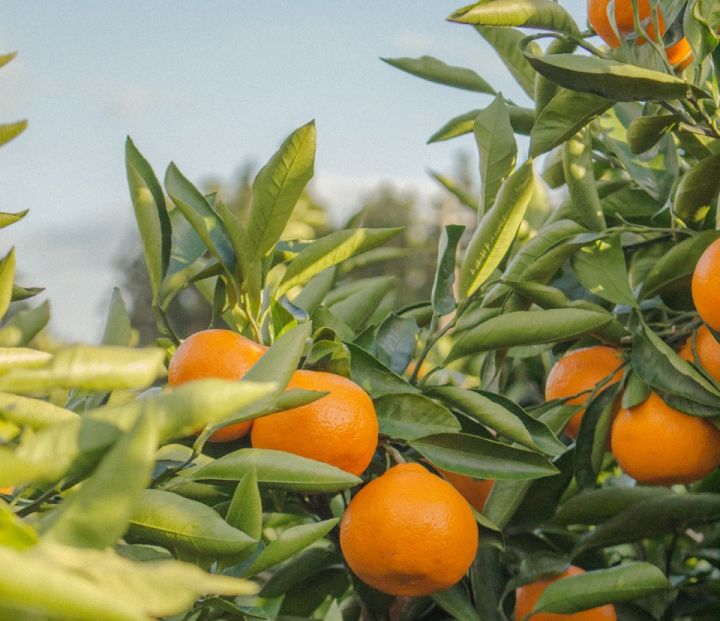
<point x="209" y="85"/>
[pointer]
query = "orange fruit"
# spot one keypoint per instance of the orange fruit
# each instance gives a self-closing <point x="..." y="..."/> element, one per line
<point x="475" y="491"/>
<point x="706" y="285"/>
<point x="219" y="354"/>
<point x="409" y="533"/>
<point x="680" y="54"/>
<point x="527" y="595"/>
<point x="658" y="445"/>
<point x="599" y="20"/>
<point x="6" y="490"/>
<point x="578" y="371"/>
<point x="708" y="351"/>
<point x="340" y="429"/>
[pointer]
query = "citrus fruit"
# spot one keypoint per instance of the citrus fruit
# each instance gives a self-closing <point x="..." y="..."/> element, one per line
<point x="624" y="19"/>
<point x="580" y="371"/>
<point x="708" y="351"/>
<point x="680" y="54"/>
<point x="409" y="533"/>
<point x="219" y="354"/>
<point x="340" y="429"/>
<point x="706" y="285"/>
<point x="658" y="445"/>
<point x="475" y="491"/>
<point x="527" y="595"/>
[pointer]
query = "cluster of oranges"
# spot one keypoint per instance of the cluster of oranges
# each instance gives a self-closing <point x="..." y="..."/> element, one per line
<point x="679" y="53"/>
<point x="407" y="532"/>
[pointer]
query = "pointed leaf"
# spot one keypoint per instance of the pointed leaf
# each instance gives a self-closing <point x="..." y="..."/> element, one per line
<point x="408" y="416"/>
<point x="434" y="70"/>
<point x="506" y="43"/>
<point x="7" y="273"/>
<point x="9" y="131"/>
<point x="601" y="269"/>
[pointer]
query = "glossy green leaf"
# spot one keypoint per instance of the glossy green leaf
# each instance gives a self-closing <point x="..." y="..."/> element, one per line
<point x="315" y="290"/>
<point x="645" y="132"/>
<point x="540" y="14"/>
<point x="497" y="148"/>
<point x="443" y="296"/>
<point x="187" y="247"/>
<point x="33" y="413"/>
<point x="355" y="310"/>
<point x="276" y="470"/>
<point x="626" y="582"/>
<point x="491" y="410"/>
<point x="245" y="512"/>
<point x="596" y="506"/>
<point x="278" y="186"/>
<point x="521" y="119"/>
<point x="6" y="58"/>
<point x="456" y="602"/>
<point x="578" y="171"/>
<point x="7" y="273"/>
<point x="566" y="114"/>
<point x="151" y="214"/>
<point x="242" y="247"/>
<point x="600" y="268"/>
<point x="24" y="325"/>
<point x="409" y="416"/>
<point x="592" y="437"/>
<point x="24" y="293"/>
<point x="674" y="269"/>
<point x="609" y="78"/>
<point x="298" y="569"/>
<point x="118" y="330"/>
<point x="698" y="190"/>
<point x="528" y="328"/>
<point x="395" y="341"/>
<point x="288" y="544"/>
<point x="185" y="525"/>
<point x="506" y="42"/>
<point x="198" y="212"/>
<point x="8" y="131"/>
<point x="434" y="70"/>
<point x="89" y="368"/>
<point x="546" y="90"/>
<point x="331" y="250"/>
<point x="496" y="231"/>
<point x="98" y="514"/>
<point x="373" y="376"/>
<point x="481" y="459"/>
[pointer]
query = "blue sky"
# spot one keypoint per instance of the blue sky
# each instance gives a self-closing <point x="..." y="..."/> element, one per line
<point x="209" y="85"/>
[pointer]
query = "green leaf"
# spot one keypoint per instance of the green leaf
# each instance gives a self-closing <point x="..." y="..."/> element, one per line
<point x="7" y="273"/>
<point x="578" y="171"/>
<point x="6" y="219"/>
<point x="288" y="544"/>
<point x="24" y="325"/>
<point x="443" y="296"/>
<point x="247" y="269"/>
<point x="408" y="416"/>
<point x="451" y="185"/>
<point x="304" y="565"/>
<point x="151" y="214"/>
<point x="600" y="268"/>
<point x="33" y="413"/>
<point x="456" y="602"/>
<point x="314" y="292"/>
<point x="521" y="119"/>
<point x="198" y="212"/>
<point x="644" y="132"/>
<point x="566" y="114"/>
<point x="118" y="330"/>
<point x="506" y="42"/>
<point x="98" y="514"/>
<point x="245" y="512"/>
<point x="611" y="79"/>
<point x="595" y="588"/>
<point x="89" y="368"/>
<point x="596" y="506"/>
<point x="9" y="131"/>
<point x="698" y="190"/>
<point x="277" y="470"/>
<point x="355" y="310"/>
<point x="185" y="525"/>
<point x="481" y="459"/>
<point x="540" y="14"/>
<point x="187" y="247"/>
<point x="675" y="268"/>
<point x="279" y="363"/>
<point x="6" y="58"/>
<point x="373" y="376"/>
<point x="498" y="151"/>
<point x="395" y="341"/>
<point x="434" y="70"/>
<point x="496" y="231"/>
<point x="331" y="250"/>
<point x="503" y="416"/>
<point x="528" y="328"/>
<point x="15" y="533"/>
<point x="278" y="186"/>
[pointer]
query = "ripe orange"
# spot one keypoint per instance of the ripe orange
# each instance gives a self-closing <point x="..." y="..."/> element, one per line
<point x="6" y="490"/>
<point x="708" y="351"/>
<point x="475" y="491"/>
<point x="680" y="54"/>
<point x="599" y="20"/>
<point x="706" y="285"/>
<point x="581" y="370"/>
<point x="219" y="354"/>
<point x="409" y="533"/>
<point x="340" y="429"/>
<point x="526" y="596"/>
<point x="658" y="445"/>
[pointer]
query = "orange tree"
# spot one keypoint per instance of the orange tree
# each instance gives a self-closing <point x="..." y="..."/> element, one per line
<point x="406" y="463"/>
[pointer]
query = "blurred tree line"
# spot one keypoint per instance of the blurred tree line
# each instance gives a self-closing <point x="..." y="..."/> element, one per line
<point x="411" y="256"/>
